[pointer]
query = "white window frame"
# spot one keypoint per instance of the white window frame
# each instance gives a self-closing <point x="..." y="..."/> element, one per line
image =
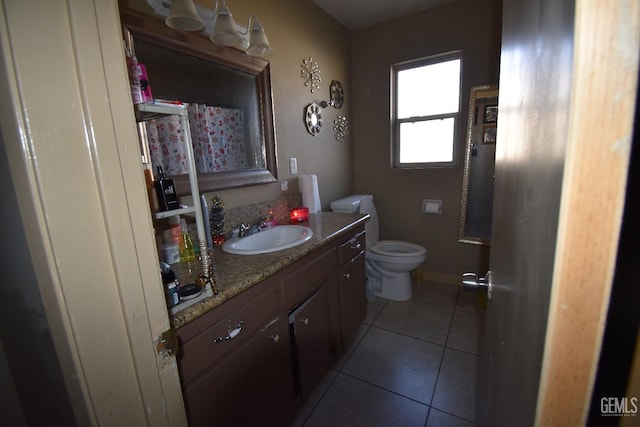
<point x="395" y="122"/>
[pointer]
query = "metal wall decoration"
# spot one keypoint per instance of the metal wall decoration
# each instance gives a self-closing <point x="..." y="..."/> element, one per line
<point x="313" y="118"/>
<point x="336" y="93"/>
<point x="341" y="128"/>
<point x="311" y="73"/>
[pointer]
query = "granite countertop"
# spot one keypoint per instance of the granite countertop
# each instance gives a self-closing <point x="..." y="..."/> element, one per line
<point x="235" y="274"/>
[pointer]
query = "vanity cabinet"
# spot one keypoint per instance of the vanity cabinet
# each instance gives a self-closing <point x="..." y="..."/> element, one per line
<point x="253" y="359"/>
<point x="235" y="362"/>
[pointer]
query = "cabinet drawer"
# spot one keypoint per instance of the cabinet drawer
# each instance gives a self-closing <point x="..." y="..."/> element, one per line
<point x="226" y="333"/>
<point x="352" y="248"/>
<point x="307" y="275"/>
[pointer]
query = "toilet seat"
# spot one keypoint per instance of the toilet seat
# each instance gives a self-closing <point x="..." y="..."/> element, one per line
<point x="397" y="248"/>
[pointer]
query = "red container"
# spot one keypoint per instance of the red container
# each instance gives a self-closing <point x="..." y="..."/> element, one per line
<point x="300" y="214"/>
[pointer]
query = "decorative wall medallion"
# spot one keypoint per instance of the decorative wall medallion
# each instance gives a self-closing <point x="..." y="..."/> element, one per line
<point x="311" y="73"/>
<point x="341" y="128"/>
<point x="337" y="94"/>
<point x="313" y="119"/>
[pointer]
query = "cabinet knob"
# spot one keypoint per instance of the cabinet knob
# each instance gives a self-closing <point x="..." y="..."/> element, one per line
<point x="347" y="275"/>
<point x="275" y="338"/>
<point x="304" y="321"/>
<point x="356" y="246"/>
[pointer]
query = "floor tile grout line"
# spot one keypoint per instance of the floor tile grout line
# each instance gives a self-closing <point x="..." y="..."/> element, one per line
<point x="435" y="383"/>
<point x="445" y="344"/>
<point x="452" y="414"/>
<point x="384" y="388"/>
<point x="384" y="304"/>
<point x="408" y="336"/>
<point x="324" y="393"/>
<point x="457" y="349"/>
<point x="355" y="347"/>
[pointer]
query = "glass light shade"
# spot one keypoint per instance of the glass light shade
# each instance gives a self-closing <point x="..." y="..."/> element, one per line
<point x="224" y="30"/>
<point x="258" y="42"/>
<point x="183" y="16"/>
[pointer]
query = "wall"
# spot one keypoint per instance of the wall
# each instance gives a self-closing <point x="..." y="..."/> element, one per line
<point x="297" y="30"/>
<point x="474" y="28"/>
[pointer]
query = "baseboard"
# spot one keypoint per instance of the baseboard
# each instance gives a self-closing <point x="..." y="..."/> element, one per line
<point x="447" y="279"/>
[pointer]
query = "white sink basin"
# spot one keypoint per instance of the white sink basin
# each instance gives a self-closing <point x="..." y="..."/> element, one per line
<point x="269" y="240"/>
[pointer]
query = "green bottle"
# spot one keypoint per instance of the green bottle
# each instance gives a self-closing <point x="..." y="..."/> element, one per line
<point x="187" y="253"/>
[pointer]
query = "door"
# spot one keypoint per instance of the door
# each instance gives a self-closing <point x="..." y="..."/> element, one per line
<point x="70" y="138"/>
<point x="567" y="94"/>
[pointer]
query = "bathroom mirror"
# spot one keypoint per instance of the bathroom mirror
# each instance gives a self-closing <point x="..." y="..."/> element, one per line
<point x="230" y="105"/>
<point x="479" y="166"/>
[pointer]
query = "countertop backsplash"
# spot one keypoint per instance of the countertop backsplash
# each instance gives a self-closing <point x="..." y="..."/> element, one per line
<point x="250" y="214"/>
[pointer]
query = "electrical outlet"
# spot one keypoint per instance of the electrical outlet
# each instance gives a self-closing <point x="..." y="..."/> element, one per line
<point x="293" y="166"/>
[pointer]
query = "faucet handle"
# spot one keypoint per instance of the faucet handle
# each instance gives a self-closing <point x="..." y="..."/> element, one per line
<point x="238" y="231"/>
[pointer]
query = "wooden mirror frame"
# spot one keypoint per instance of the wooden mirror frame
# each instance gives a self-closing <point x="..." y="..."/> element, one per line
<point x="144" y="27"/>
<point x="475" y="119"/>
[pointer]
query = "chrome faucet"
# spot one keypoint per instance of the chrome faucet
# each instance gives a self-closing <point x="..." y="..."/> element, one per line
<point x="244" y="230"/>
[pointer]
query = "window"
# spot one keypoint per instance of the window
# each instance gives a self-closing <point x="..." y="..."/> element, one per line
<point x="425" y="107"/>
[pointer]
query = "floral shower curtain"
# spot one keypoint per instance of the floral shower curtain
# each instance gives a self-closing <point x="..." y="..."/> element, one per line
<point x="217" y="135"/>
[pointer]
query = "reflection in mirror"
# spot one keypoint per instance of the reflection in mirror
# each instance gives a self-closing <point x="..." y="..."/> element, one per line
<point x="479" y="166"/>
<point x="230" y="106"/>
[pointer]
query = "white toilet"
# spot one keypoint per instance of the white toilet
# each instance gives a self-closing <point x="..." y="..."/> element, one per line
<point x="389" y="262"/>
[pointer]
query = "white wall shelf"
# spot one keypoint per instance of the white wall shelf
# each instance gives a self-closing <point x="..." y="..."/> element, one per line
<point x="154" y="110"/>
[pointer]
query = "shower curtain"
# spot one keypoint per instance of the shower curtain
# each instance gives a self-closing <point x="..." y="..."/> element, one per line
<point x="217" y="135"/>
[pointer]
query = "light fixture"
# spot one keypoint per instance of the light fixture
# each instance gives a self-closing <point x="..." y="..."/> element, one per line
<point x="258" y="42"/>
<point x="225" y="32"/>
<point x="183" y="16"/>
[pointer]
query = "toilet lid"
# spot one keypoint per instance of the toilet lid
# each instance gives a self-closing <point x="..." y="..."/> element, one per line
<point x="371" y="226"/>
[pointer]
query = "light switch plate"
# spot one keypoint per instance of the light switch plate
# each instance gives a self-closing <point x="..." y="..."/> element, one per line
<point x="293" y="166"/>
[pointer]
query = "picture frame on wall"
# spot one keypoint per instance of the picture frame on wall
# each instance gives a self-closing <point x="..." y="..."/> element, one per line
<point x="490" y="114"/>
<point x="489" y="134"/>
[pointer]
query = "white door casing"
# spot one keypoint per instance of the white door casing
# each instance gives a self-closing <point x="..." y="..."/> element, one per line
<point x="70" y="136"/>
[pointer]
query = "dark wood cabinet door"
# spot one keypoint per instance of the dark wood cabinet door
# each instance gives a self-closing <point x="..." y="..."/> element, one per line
<point x="312" y="338"/>
<point x="353" y="299"/>
<point x="252" y="386"/>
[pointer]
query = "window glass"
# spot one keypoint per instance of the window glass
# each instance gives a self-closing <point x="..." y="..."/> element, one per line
<point x="429" y="89"/>
<point x="427" y="141"/>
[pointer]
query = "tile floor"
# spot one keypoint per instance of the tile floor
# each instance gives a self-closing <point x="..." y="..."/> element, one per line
<point x="412" y="363"/>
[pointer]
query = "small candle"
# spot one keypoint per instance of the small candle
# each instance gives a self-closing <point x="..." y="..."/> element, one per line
<point x="300" y="214"/>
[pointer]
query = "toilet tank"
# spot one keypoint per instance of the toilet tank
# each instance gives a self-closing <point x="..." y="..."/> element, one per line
<point x="349" y="204"/>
